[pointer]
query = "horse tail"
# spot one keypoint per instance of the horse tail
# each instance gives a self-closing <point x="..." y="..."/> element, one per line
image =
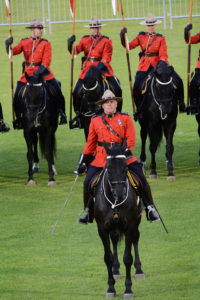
<point x="45" y="144"/>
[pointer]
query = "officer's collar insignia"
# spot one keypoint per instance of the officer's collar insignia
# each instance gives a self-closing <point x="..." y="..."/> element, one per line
<point x="110" y="115"/>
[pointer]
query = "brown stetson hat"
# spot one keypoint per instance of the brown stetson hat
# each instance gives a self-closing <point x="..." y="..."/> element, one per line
<point x="150" y="21"/>
<point x="94" y="23"/>
<point x="36" y="23"/>
<point x="108" y="95"/>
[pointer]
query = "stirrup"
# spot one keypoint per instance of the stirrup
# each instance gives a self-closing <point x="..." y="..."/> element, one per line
<point x="63" y="119"/>
<point x="75" y="123"/>
<point x="151" y="216"/>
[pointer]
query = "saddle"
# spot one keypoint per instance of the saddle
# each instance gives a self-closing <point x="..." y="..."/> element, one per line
<point x="133" y="179"/>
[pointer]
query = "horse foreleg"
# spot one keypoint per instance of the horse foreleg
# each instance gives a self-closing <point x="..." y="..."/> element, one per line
<point x="128" y="261"/>
<point x="29" y="142"/>
<point x="108" y="259"/>
<point x="137" y="263"/>
<point x="36" y="168"/>
<point x="152" y="148"/>
<point x="116" y="265"/>
<point x="143" y="135"/>
<point x="49" y="154"/>
<point x="169" y="133"/>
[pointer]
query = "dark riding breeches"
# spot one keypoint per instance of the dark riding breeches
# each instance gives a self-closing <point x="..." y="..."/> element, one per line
<point x="179" y="86"/>
<point x="77" y="95"/>
<point x="194" y="85"/>
<point x="53" y="83"/>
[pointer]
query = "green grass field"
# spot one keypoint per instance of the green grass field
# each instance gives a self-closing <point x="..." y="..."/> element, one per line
<point x="69" y="264"/>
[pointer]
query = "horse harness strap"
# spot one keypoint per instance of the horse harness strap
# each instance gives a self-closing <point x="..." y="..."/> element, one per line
<point x="111" y="129"/>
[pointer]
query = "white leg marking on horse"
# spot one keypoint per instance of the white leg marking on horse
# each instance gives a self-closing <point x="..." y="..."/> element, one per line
<point x="171" y="178"/>
<point x="51" y="183"/>
<point x="54" y="170"/>
<point x="31" y="182"/>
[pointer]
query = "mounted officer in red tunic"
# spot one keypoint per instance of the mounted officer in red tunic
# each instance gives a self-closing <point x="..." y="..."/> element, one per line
<point x="111" y="127"/>
<point x="98" y="51"/>
<point x="195" y="82"/>
<point x="37" y="54"/>
<point x="153" y="50"/>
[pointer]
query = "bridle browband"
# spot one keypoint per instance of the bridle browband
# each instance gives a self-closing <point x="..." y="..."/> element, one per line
<point x="92" y="88"/>
<point x="154" y="98"/>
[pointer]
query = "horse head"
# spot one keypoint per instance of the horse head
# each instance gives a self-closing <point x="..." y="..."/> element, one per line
<point x="93" y="87"/>
<point x="34" y="96"/>
<point x="162" y="88"/>
<point x="116" y="169"/>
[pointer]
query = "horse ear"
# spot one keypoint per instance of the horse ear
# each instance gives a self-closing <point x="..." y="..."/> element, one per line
<point x="27" y="77"/>
<point x="108" y="151"/>
<point x="124" y="146"/>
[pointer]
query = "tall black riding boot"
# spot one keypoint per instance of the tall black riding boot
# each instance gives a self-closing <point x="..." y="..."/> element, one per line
<point x="3" y="126"/>
<point x="148" y="203"/>
<point x="89" y="208"/>
<point x="63" y="118"/>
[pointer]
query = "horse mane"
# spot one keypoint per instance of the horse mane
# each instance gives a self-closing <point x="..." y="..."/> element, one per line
<point x="93" y="74"/>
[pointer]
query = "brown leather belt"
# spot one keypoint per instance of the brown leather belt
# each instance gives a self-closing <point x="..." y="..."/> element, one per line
<point x="34" y="64"/>
<point x="109" y="144"/>
<point x="93" y="59"/>
<point x="150" y="54"/>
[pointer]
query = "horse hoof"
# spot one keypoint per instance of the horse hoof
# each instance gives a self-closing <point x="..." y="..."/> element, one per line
<point x="110" y="295"/>
<point x="153" y="176"/>
<point x="31" y="182"/>
<point x="51" y="183"/>
<point x="140" y="276"/>
<point x="128" y="296"/>
<point x="171" y="178"/>
<point x="116" y="276"/>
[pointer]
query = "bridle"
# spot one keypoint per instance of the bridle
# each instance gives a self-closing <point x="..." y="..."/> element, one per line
<point x="153" y="94"/>
<point x="111" y="183"/>
<point x="43" y="106"/>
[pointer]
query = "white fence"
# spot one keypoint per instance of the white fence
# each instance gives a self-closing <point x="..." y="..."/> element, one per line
<point x="58" y="11"/>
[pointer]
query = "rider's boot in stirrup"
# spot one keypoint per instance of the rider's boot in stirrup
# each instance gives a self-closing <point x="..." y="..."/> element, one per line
<point x="148" y="202"/>
<point x="3" y="126"/>
<point x="88" y="205"/>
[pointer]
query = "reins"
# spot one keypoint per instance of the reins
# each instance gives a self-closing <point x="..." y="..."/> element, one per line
<point x="114" y="205"/>
<point x="154" y="98"/>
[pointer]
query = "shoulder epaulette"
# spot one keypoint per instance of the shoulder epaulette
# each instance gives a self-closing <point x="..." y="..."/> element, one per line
<point x="142" y="32"/>
<point x="126" y="114"/>
<point x="85" y="36"/>
<point x="25" y="38"/>
<point x="106" y="37"/>
<point x="158" y="34"/>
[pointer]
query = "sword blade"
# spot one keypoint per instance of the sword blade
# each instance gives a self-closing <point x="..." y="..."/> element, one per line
<point x="64" y="204"/>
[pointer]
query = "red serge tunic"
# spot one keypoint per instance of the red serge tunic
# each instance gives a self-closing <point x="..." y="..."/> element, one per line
<point x="99" y="132"/>
<point x="42" y="54"/>
<point x="143" y="39"/>
<point x="194" y="40"/>
<point x="103" y="50"/>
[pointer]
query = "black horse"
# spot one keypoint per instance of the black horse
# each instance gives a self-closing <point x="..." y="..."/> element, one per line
<point x="39" y="118"/>
<point x="94" y="85"/>
<point x="159" y="115"/>
<point x="117" y="210"/>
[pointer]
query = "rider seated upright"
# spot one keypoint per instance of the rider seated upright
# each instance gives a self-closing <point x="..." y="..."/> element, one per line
<point x="37" y="55"/>
<point x="153" y="49"/>
<point x="3" y="126"/>
<point x="97" y="50"/>
<point x="113" y="128"/>
<point x="195" y="82"/>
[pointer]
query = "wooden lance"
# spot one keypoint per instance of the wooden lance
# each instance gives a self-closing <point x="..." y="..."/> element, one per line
<point x="128" y="60"/>
<point x="72" y="60"/>
<point x="189" y="57"/>
<point x="11" y="60"/>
